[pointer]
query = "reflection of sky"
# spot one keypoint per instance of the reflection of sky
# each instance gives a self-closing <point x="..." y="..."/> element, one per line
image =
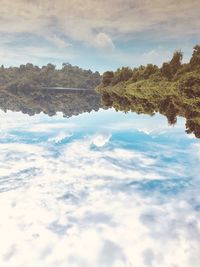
<point x="102" y="189"/>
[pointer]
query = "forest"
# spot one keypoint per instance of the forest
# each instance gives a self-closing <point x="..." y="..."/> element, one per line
<point x="171" y="77"/>
<point x="30" y="76"/>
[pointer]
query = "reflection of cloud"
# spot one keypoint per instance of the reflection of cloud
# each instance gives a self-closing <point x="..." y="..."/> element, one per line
<point x="60" y="137"/>
<point x="10" y="253"/>
<point x="111" y="254"/>
<point x="98" y="200"/>
<point x="150" y="126"/>
<point x="100" y="140"/>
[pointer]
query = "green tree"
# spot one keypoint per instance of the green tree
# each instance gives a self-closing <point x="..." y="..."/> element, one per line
<point x="107" y="78"/>
<point x="126" y="73"/>
<point x="166" y="71"/>
<point x="149" y="70"/>
<point x="195" y="59"/>
<point x="175" y="63"/>
<point x="122" y="75"/>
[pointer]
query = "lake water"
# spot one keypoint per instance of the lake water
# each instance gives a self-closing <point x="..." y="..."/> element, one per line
<point x="95" y="188"/>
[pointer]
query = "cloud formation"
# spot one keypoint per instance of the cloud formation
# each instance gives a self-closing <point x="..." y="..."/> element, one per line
<point x="100" y="23"/>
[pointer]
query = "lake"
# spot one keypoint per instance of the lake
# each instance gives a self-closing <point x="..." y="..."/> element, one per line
<point x="82" y="185"/>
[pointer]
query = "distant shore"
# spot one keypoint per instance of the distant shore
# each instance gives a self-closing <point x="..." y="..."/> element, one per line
<point x="66" y="88"/>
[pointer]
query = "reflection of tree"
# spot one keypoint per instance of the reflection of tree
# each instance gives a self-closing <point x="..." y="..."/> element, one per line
<point x="168" y="108"/>
<point x="171" y="106"/>
<point x="193" y="126"/>
<point x="49" y="101"/>
<point x="75" y="102"/>
<point x="123" y="103"/>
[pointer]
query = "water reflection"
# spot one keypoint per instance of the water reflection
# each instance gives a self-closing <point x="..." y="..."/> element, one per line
<point x="50" y="101"/>
<point x="99" y="189"/>
<point x="170" y="106"/>
<point x="74" y="102"/>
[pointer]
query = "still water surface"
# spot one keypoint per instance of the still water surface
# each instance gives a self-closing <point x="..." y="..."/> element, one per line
<point x="99" y="189"/>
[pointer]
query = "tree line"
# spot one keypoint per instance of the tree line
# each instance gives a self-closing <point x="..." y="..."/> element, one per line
<point x="31" y="76"/>
<point x="187" y="74"/>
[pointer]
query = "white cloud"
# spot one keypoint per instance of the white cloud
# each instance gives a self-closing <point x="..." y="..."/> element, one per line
<point x="102" y="40"/>
<point x="35" y="54"/>
<point x="156" y="56"/>
<point x="117" y="19"/>
<point x="38" y="32"/>
<point x="59" y="42"/>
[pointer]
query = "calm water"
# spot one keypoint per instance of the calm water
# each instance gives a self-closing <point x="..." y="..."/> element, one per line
<point x="99" y="189"/>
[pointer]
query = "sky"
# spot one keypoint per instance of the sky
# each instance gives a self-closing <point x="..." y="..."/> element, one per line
<point x="78" y="192"/>
<point x="94" y="34"/>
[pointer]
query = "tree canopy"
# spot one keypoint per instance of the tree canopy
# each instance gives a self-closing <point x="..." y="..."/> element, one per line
<point x="30" y="76"/>
<point x="172" y="70"/>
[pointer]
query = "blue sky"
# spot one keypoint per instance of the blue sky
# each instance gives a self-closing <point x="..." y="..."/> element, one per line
<point x="99" y="35"/>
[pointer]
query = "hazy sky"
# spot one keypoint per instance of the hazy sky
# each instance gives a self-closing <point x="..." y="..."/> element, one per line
<point x="97" y="34"/>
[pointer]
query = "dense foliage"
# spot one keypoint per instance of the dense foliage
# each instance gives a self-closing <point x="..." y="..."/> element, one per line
<point x="182" y="77"/>
<point x="30" y="76"/>
<point x="172" y="90"/>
